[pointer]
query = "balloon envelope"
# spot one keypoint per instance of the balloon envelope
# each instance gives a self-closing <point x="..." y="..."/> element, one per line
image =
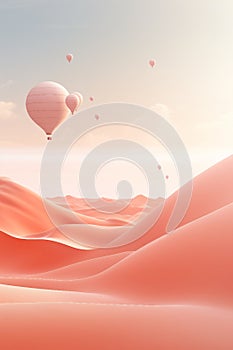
<point x="46" y="106"/>
<point x="69" y="57"/>
<point x="72" y="102"/>
<point x="152" y="63"/>
<point x="80" y="97"/>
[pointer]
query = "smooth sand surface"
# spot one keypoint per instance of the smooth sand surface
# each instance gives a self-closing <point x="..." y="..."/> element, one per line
<point x="161" y="291"/>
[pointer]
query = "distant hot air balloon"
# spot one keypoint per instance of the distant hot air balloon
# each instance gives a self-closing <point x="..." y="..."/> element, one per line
<point x="46" y="106"/>
<point x="69" y="57"/>
<point x="72" y="102"/>
<point x="159" y="167"/>
<point x="91" y="99"/>
<point x="152" y="63"/>
<point x="97" y="117"/>
<point x="167" y="177"/>
<point x="80" y="97"/>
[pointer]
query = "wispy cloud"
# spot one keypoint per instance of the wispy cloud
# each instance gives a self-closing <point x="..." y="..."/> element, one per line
<point x="7" y="110"/>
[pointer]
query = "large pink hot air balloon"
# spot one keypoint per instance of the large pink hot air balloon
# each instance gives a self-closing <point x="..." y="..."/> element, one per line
<point x="72" y="102"/>
<point x="46" y="106"/>
<point x="69" y="57"/>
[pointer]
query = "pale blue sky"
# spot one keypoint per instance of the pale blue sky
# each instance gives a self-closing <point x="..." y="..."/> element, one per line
<point x="112" y="42"/>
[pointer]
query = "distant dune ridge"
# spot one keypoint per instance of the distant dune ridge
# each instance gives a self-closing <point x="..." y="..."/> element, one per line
<point x="162" y="291"/>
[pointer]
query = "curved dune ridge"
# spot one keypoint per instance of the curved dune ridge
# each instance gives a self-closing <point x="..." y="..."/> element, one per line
<point x="161" y="291"/>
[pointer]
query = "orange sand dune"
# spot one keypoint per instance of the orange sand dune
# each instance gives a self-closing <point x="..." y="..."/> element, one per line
<point x="162" y="291"/>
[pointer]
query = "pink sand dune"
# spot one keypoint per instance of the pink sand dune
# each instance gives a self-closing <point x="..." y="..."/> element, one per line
<point x="161" y="291"/>
<point x="192" y="265"/>
<point x="17" y="295"/>
<point x="112" y="327"/>
<point x="23" y="213"/>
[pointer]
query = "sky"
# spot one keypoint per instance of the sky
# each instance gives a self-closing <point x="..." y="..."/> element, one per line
<point x="112" y="41"/>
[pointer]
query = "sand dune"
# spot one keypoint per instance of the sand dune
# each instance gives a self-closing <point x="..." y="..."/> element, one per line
<point x="193" y="265"/>
<point x="17" y="295"/>
<point x="22" y="212"/>
<point x="212" y="190"/>
<point x="165" y="291"/>
<point x="88" y="326"/>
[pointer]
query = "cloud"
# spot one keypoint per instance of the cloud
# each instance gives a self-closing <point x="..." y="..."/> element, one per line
<point x="7" y="110"/>
<point x="162" y="110"/>
<point x="6" y="84"/>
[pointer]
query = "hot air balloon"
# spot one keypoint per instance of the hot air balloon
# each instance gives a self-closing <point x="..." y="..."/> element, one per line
<point x="152" y="63"/>
<point x="46" y="106"/>
<point x="69" y="57"/>
<point x="167" y="177"/>
<point x="72" y="102"/>
<point x="80" y="97"/>
<point x="91" y="99"/>
<point x="159" y="167"/>
<point x="97" y="117"/>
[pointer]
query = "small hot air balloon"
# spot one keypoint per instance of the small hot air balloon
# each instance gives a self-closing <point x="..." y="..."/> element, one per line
<point x="69" y="57"/>
<point x="159" y="167"/>
<point x="91" y="99"/>
<point x="46" y="106"/>
<point x="152" y="63"/>
<point x="97" y="117"/>
<point x="80" y="97"/>
<point x="167" y="177"/>
<point x="72" y="102"/>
